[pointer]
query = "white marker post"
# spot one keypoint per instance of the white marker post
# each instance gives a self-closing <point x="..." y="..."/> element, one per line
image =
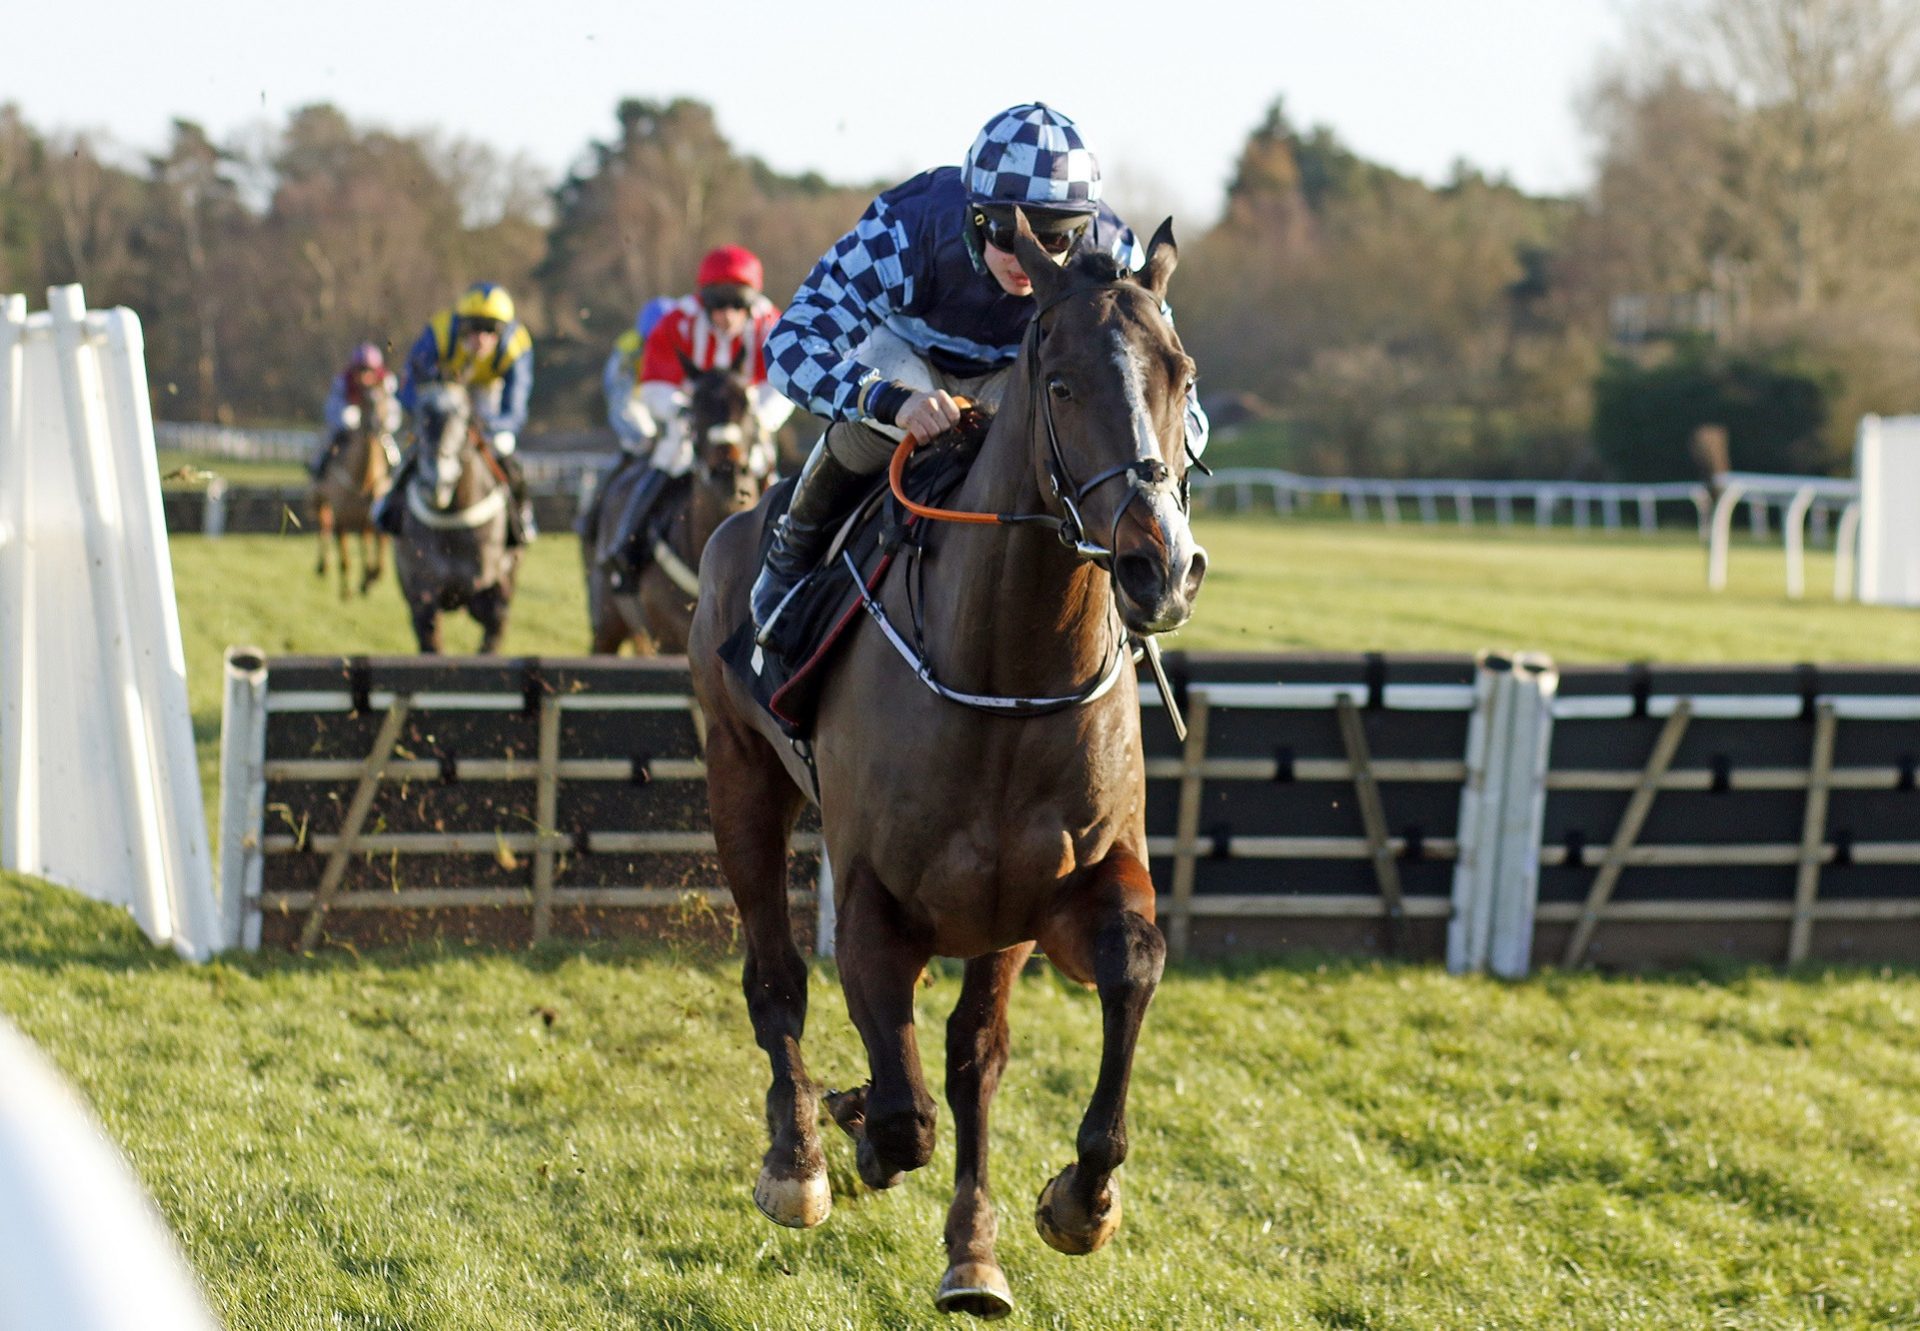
<point x="99" y="780"/>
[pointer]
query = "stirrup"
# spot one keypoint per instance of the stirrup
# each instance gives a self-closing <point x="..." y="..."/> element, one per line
<point x="621" y="564"/>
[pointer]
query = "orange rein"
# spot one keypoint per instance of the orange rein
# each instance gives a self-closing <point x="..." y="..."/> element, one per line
<point x="896" y="473"/>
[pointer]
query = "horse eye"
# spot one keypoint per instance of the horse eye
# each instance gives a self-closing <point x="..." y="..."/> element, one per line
<point x="1059" y="389"/>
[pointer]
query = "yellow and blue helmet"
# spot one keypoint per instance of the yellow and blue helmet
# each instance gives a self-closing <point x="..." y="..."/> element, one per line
<point x="486" y="300"/>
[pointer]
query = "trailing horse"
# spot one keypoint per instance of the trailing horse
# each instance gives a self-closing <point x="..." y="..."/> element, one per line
<point x="733" y="460"/>
<point x="452" y="549"/>
<point x="989" y="795"/>
<point x="342" y="499"/>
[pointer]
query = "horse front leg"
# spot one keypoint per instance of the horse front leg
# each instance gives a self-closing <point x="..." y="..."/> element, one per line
<point x="426" y="624"/>
<point x="976" y="1056"/>
<point x="489" y="607"/>
<point x="891" y="1118"/>
<point x="340" y="553"/>
<point x="323" y="531"/>
<point x="1105" y="936"/>
<point x="753" y="805"/>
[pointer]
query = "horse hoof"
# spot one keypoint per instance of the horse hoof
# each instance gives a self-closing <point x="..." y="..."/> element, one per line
<point x="873" y="1173"/>
<point x="797" y="1203"/>
<point x="1076" y="1234"/>
<point x="975" y="1288"/>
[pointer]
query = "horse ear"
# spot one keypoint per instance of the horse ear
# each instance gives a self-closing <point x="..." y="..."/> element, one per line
<point x="1162" y="255"/>
<point x="686" y="364"/>
<point x="1046" y="275"/>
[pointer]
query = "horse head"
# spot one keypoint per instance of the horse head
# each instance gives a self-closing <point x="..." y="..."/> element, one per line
<point x="375" y="437"/>
<point x="1106" y="383"/>
<point x="732" y="455"/>
<point x="444" y="422"/>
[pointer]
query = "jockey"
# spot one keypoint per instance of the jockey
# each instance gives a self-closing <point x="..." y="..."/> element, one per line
<point x="479" y="344"/>
<point x="353" y="389"/>
<point x="633" y="425"/>
<point x="724" y="323"/>
<point x="923" y="300"/>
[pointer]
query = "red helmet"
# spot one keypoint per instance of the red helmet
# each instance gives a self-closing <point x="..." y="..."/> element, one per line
<point x="731" y="265"/>
<point x="367" y="356"/>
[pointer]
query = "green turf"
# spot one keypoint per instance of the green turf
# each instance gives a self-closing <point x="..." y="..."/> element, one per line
<point x="455" y="1139"/>
<point x="1289" y="586"/>
<point x="405" y="1141"/>
<point x="186" y="470"/>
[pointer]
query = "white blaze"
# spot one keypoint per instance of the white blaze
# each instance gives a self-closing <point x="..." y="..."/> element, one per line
<point x="1165" y="504"/>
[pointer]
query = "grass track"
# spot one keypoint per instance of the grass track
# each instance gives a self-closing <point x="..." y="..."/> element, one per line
<point x="405" y="1142"/>
<point x="402" y="1141"/>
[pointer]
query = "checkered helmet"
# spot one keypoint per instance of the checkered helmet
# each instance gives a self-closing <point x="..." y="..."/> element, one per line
<point x="1033" y="156"/>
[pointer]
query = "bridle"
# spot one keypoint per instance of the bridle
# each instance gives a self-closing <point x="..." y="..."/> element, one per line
<point x="749" y="435"/>
<point x="1146" y="477"/>
<point x="753" y="445"/>
<point x="429" y="511"/>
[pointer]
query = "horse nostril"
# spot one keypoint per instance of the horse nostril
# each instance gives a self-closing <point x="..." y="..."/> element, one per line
<point x="1140" y="578"/>
<point x="1196" y="573"/>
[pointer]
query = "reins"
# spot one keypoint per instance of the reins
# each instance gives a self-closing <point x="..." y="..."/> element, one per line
<point x="1146" y="476"/>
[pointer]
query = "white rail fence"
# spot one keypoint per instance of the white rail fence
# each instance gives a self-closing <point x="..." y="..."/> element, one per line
<point x="1804" y="508"/>
<point x="1462" y="501"/>
<point x="1799" y="499"/>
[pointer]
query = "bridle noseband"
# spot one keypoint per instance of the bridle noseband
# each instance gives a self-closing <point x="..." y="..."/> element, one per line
<point x="749" y="435"/>
<point x="1146" y="477"/>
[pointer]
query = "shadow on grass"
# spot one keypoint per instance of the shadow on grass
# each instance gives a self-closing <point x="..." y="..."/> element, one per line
<point x="47" y="927"/>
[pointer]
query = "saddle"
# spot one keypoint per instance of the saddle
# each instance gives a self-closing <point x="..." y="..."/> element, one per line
<point x="786" y="679"/>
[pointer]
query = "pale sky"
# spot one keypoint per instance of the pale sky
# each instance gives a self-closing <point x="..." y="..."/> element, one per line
<point x="1165" y="93"/>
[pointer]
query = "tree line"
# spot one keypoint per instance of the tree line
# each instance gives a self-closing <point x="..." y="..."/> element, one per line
<point x="1746" y="256"/>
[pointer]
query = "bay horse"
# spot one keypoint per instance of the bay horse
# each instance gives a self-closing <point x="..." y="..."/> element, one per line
<point x="733" y="461"/>
<point x="1004" y="811"/>
<point x="452" y="549"/>
<point x="343" y="498"/>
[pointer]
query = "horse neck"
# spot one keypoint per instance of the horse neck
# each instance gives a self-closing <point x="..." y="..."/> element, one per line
<point x="705" y="513"/>
<point x="476" y="478"/>
<point x="1010" y="609"/>
<point x="370" y="465"/>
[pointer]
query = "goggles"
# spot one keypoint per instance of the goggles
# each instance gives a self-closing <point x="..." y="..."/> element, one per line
<point x="1000" y="233"/>
<point x="717" y="298"/>
<point x="479" y="325"/>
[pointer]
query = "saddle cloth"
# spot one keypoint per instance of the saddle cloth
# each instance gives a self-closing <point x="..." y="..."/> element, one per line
<point x="787" y="677"/>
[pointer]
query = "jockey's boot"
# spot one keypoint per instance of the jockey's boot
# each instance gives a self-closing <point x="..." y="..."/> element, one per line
<point x="629" y="553"/>
<point x="586" y="524"/>
<point x="323" y="457"/>
<point x="387" y="510"/>
<point x="821" y="497"/>
<point x="521" y="528"/>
